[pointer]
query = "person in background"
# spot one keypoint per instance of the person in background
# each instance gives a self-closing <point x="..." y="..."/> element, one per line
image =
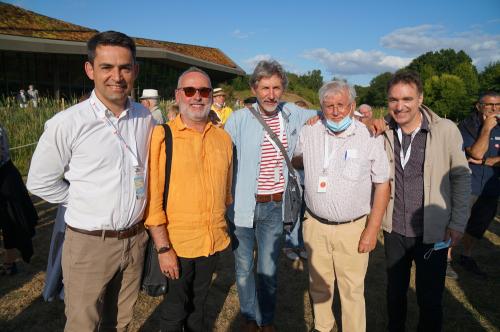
<point x="18" y="216"/>
<point x="33" y="96"/>
<point x="22" y="99"/>
<point x="293" y="247"/>
<point x="149" y="99"/>
<point x="172" y="112"/>
<point x="481" y="134"/>
<point x="220" y="111"/>
<point x="247" y="102"/>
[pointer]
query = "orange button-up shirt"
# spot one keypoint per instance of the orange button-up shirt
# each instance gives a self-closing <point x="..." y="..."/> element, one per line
<point x="200" y="188"/>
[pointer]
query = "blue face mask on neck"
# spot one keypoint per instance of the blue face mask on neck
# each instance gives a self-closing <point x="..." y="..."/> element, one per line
<point x="337" y="127"/>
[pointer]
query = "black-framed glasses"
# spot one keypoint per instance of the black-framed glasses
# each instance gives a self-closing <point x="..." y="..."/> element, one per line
<point x="190" y="91"/>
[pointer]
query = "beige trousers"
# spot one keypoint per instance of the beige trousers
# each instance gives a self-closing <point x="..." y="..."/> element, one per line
<point x="333" y="255"/>
<point x="101" y="279"/>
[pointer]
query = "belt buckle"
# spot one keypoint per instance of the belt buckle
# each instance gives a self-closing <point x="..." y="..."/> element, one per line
<point x="123" y="233"/>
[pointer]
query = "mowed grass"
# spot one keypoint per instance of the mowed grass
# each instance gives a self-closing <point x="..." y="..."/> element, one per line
<point x="469" y="304"/>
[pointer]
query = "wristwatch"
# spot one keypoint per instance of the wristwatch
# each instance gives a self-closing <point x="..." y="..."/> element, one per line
<point x="163" y="249"/>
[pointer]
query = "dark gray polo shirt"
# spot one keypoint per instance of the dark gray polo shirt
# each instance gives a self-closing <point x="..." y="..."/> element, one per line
<point x="408" y="215"/>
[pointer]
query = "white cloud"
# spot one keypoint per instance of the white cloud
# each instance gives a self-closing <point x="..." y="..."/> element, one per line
<point x="240" y="34"/>
<point x="356" y="62"/>
<point x="481" y="47"/>
<point x="250" y="63"/>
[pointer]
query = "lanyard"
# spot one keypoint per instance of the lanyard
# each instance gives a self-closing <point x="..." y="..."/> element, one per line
<point x="403" y="158"/>
<point x="118" y="135"/>
<point x="281" y="135"/>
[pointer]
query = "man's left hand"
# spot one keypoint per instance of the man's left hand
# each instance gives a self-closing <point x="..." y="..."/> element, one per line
<point x="454" y="235"/>
<point x="367" y="241"/>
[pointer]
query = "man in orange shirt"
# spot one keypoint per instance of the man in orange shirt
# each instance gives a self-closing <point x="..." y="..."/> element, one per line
<point x="192" y="231"/>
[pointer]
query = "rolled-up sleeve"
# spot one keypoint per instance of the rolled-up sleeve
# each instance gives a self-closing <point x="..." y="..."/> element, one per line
<point x="155" y="214"/>
<point x="380" y="165"/>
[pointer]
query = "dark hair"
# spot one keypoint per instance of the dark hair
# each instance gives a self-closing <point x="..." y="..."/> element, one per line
<point x="489" y="93"/>
<point x="112" y="38"/>
<point x="406" y="77"/>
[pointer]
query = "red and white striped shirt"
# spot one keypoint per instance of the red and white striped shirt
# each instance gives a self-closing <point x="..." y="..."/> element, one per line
<point x="271" y="178"/>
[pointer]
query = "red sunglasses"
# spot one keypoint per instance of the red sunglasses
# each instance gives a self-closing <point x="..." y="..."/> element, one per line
<point x="190" y="91"/>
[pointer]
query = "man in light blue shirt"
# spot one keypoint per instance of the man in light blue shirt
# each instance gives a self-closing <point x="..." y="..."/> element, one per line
<point x="259" y="182"/>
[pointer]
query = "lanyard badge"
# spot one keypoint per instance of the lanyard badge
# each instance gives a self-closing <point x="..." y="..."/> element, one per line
<point x="139" y="180"/>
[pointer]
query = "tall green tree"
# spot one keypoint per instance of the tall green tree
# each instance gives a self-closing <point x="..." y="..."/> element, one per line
<point x="489" y="78"/>
<point x="376" y="94"/>
<point x="442" y="61"/>
<point x="312" y="80"/>
<point x="447" y="96"/>
<point x="468" y="73"/>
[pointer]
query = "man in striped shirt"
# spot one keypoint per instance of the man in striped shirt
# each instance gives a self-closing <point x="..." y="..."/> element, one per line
<point x="260" y="178"/>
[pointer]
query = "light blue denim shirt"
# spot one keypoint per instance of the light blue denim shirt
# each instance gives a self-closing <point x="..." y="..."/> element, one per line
<point x="247" y="134"/>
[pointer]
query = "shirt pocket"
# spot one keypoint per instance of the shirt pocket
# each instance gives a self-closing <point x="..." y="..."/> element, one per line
<point x="354" y="169"/>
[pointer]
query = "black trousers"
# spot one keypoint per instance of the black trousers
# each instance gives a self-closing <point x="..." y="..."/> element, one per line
<point x="400" y="251"/>
<point x="182" y="308"/>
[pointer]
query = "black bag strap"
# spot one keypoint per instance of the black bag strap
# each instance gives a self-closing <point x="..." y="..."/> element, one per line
<point x="275" y="138"/>
<point x="168" y="165"/>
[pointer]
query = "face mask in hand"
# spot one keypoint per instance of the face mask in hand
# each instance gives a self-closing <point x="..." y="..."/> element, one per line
<point x="437" y="246"/>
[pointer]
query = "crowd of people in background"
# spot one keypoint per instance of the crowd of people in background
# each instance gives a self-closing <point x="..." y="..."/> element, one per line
<point x="412" y="175"/>
<point x="29" y="97"/>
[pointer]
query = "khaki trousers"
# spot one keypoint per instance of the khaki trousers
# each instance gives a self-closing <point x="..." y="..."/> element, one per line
<point x="333" y="255"/>
<point x="101" y="279"/>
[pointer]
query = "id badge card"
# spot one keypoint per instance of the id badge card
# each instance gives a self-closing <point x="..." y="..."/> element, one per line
<point x="322" y="184"/>
<point x="139" y="179"/>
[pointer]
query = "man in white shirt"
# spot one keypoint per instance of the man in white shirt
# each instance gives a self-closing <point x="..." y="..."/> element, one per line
<point x="341" y="163"/>
<point x="92" y="158"/>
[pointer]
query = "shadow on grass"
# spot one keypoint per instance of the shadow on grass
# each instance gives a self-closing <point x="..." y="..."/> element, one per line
<point x="483" y="294"/>
<point x="219" y="290"/>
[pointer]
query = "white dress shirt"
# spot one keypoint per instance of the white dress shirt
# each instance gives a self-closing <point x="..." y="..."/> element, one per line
<point x="81" y="145"/>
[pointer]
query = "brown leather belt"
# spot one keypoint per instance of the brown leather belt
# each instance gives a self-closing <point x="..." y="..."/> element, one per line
<point x="123" y="234"/>
<point x="331" y="222"/>
<point x="277" y="197"/>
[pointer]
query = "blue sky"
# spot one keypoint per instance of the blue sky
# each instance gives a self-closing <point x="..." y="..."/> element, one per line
<point x="356" y="40"/>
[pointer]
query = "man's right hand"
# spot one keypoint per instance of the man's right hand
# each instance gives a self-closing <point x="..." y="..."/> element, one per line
<point x="375" y="126"/>
<point x="169" y="264"/>
<point x="489" y="123"/>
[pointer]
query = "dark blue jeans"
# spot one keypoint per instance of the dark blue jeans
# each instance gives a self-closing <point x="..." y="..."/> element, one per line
<point x="258" y="295"/>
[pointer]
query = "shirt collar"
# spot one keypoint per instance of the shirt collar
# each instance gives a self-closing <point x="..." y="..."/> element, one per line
<point x="424" y="126"/>
<point x="180" y="125"/>
<point x="102" y="110"/>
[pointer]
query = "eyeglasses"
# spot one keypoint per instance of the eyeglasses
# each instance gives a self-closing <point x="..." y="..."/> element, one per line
<point x="190" y="91"/>
<point x="490" y="105"/>
<point x="339" y="107"/>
